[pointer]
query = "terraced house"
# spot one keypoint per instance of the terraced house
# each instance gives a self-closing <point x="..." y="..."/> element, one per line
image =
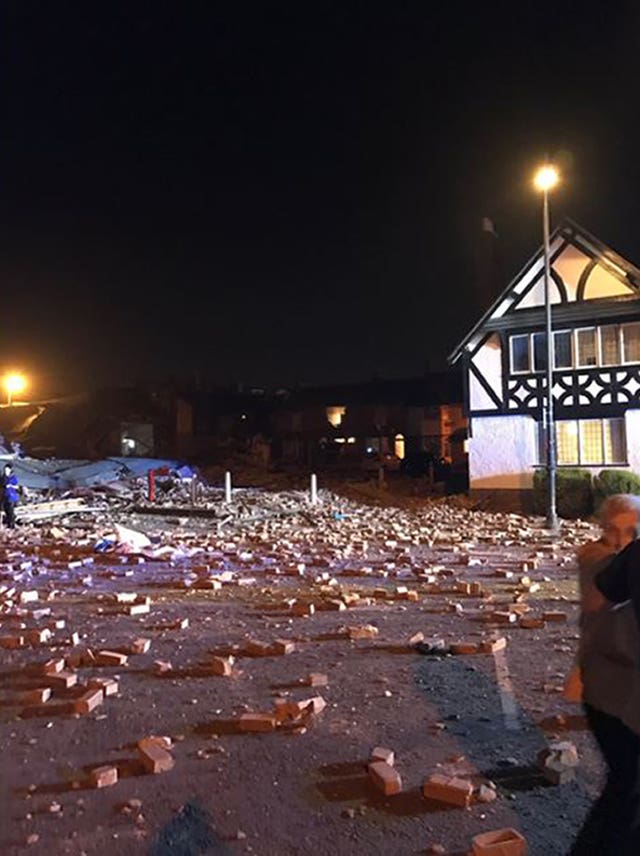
<point x="595" y="297"/>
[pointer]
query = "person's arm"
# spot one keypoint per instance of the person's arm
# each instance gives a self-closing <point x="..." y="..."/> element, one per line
<point x="612" y="582"/>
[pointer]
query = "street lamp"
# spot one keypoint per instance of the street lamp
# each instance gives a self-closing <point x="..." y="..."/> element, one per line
<point x="545" y="179"/>
<point x="13" y="384"/>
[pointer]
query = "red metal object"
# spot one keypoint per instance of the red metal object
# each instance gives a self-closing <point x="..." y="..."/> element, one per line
<point x="151" y="476"/>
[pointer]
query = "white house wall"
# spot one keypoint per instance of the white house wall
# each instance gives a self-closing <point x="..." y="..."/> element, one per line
<point x="632" y="425"/>
<point x="601" y="283"/>
<point x="502" y="452"/>
<point x="535" y="297"/>
<point x="488" y="361"/>
<point x="570" y="266"/>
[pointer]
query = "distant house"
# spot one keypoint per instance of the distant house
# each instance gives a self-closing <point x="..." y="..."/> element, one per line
<point x="596" y="375"/>
<point x="119" y="421"/>
<point x="377" y="419"/>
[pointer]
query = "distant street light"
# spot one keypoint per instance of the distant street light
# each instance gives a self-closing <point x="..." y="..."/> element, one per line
<point x="545" y="179"/>
<point x="14" y="384"/>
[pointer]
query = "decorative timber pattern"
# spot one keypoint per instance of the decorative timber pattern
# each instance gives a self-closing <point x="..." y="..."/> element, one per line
<point x="587" y="389"/>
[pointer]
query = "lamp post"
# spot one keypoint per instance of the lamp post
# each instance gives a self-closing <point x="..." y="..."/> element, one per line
<point x="545" y="179"/>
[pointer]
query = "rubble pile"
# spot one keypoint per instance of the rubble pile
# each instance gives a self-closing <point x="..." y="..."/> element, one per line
<point x="118" y="590"/>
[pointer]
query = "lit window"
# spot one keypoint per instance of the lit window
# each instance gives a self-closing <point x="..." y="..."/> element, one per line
<point x="614" y="441"/>
<point x="586" y="340"/>
<point x="520" y="353"/>
<point x="567" y="442"/>
<point x="590" y="442"/>
<point x="335" y="415"/>
<point x="631" y="342"/>
<point x="610" y="345"/>
<point x="563" y="358"/>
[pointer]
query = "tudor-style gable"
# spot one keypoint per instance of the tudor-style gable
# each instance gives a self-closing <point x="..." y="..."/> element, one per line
<point x="595" y="295"/>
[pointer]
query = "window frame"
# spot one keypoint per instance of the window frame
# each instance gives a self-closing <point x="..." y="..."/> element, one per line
<point x="623" y="354"/>
<point x="512" y="337"/>
<point x="573" y="339"/>
<point x="615" y="422"/>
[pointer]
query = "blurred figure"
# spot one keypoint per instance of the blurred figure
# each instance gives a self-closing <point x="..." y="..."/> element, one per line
<point x="9" y="487"/>
<point x="609" y="661"/>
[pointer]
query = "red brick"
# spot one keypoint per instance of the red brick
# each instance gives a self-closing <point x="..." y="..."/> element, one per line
<point x="531" y="623"/>
<point x="504" y="617"/>
<point x="282" y="646"/>
<point x="12" y="642"/>
<point x="222" y="666"/>
<point x="61" y="680"/>
<point x="111" y="658"/>
<point x="317" y="704"/>
<point x="39" y="636"/>
<point x="257" y="649"/>
<point x="257" y="722"/>
<point x="51" y="666"/>
<point x="80" y="657"/>
<point x="36" y="696"/>
<point x="385" y="778"/>
<point x="155" y="758"/>
<point x="140" y="646"/>
<point x="367" y="631"/>
<point x="88" y="701"/>
<point x="109" y="686"/>
<point x="448" y="789"/>
<point x="137" y="609"/>
<point x="465" y="648"/>
<point x="103" y="777"/>
<point x="499" y="842"/>
<point x="554" y="616"/>
<point x="382" y="754"/>
<point x="303" y="609"/>
<point x="317" y="679"/>
<point x="490" y="646"/>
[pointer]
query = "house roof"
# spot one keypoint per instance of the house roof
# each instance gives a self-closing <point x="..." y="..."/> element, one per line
<point x="568" y="232"/>
<point x="434" y="388"/>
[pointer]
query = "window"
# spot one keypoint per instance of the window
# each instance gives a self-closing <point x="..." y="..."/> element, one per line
<point x="335" y="415"/>
<point x="567" y="442"/>
<point x="586" y="347"/>
<point x="610" y="345"/>
<point x="590" y="437"/>
<point x="520" y="353"/>
<point x="539" y="352"/>
<point x="631" y="342"/>
<point x="563" y="357"/>
<point x="590" y="442"/>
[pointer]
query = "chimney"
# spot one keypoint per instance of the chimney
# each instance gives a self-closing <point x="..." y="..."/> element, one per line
<point x="489" y="278"/>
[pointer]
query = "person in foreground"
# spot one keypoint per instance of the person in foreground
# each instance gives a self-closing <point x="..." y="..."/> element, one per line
<point x="609" y="661"/>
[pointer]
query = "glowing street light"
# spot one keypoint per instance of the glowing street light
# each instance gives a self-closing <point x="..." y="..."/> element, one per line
<point x="545" y="179"/>
<point x="14" y="383"/>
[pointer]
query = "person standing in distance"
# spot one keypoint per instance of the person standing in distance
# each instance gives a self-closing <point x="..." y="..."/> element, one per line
<point x="9" y="496"/>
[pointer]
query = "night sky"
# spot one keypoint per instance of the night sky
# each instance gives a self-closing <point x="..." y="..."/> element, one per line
<point x="292" y="192"/>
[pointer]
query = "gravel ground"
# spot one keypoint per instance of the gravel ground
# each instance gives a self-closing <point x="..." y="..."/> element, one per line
<point x="293" y="793"/>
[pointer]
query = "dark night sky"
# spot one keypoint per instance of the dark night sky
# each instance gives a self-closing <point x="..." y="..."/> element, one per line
<point x="291" y="191"/>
